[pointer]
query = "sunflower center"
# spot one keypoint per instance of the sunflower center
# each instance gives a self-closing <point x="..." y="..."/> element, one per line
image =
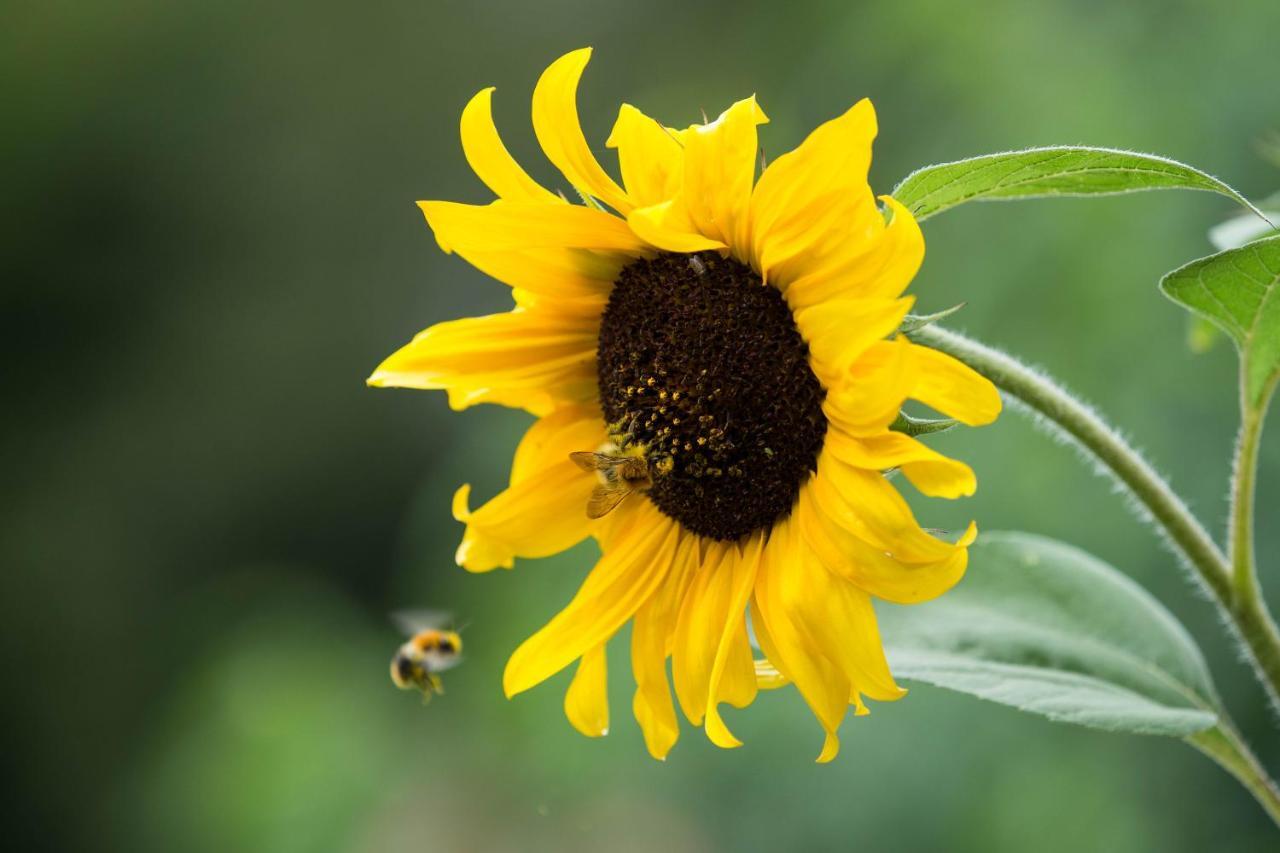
<point x="702" y="370"/>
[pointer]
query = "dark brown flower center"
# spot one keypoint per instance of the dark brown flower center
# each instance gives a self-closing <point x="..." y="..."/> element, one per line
<point x="702" y="368"/>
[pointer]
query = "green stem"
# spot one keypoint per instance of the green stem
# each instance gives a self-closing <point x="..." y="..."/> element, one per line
<point x="1224" y="745"/>
<point x="1244" y="573"/>
<point x="1247" y="617"/>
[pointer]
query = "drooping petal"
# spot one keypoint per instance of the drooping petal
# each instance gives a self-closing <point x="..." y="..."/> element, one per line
<point x="543" y="511"/>
<point x="953" y="388"/>
<point x="530" y="359"/>
<point x="586" y="703"/>
<point x="870" y="568"/>
<point x="559" y="132"/>
<point x="733" y="677"/>
<point x="837" y="620"/>
<point x="931" y="472"/>
<point x="490" y="159"/>
<point x="694" y="646"/>
<point x="814" y="202"/>
<point x="841" y="330"/>
<point x="719" y="169"/>
<point x="651" y="641"/>
<point x="651" y="157"/>
<point x="506" y="226"/>
<point x="823" y="686"/>
<point x="631" y="569"/>
<point x="867" y="505"/>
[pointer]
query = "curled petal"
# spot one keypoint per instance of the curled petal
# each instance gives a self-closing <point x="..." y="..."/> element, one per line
<point x="555" y="122"/>
<point x="490" y="159"/>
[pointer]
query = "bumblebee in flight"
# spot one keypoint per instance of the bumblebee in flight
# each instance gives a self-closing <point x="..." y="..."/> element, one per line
<point x="429" y="651"/>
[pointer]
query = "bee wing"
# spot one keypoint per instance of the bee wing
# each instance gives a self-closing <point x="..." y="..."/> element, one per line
<point x="603" y="500"/>
<point x="413" y="621"/>
<point x="590" y="461"/>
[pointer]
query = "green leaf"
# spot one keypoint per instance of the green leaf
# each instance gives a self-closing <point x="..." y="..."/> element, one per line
<point x="904" y="423"/>
<point x="1046" y="628"/>
<point x="1046" y="172"/>
<point x="1239" y="290"/>
<point x="912" y="322"/>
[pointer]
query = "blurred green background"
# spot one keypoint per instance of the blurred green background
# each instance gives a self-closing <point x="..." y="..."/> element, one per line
<point x="210" y="240"/>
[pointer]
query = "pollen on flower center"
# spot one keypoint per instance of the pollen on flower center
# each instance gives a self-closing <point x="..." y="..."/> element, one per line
<point x="702" y="368"/>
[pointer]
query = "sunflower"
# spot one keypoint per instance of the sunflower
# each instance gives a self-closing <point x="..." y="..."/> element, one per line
<point x="721" y="354"/>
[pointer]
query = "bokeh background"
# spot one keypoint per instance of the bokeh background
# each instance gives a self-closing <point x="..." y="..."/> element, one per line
<point x="210" y="240"/>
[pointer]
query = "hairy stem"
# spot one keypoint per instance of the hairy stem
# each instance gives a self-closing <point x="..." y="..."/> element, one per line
<point x="1243" y="570"/>
<point x="1247" y="617"/>
<point x="1224" y="745"/>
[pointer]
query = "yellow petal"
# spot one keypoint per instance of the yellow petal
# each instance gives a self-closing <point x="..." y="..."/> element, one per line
<point x="840" y="331"/>
<point x="931" y="472"/>
<point x="824" y="688"/>
<point x="506" y="226"/>
<point x="667" y="226"/>
<point x="490" y="159"/>
<point x="559" y="274"/>
<point x="586" y="703"/>
<point x="953" y="388"/>
<point x="651" y="640"/>
<point x="555" y="122"/>
<point x="650" y="155"/>
<point x="814" y="202"/>
<point x="868" y="506"/>
<point x="694" y="646"/>
<point x="837" y="619"/>
<point x="634" y="566"/>
<point x="532" y="359"/>
<point x="872" y="569"/>
<point x="733" y="677"/>
<point x="719" y="169"/>
<point x="543" y="511"/>
<point x="874" y="389"/>
<point x="880" y="266"/>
